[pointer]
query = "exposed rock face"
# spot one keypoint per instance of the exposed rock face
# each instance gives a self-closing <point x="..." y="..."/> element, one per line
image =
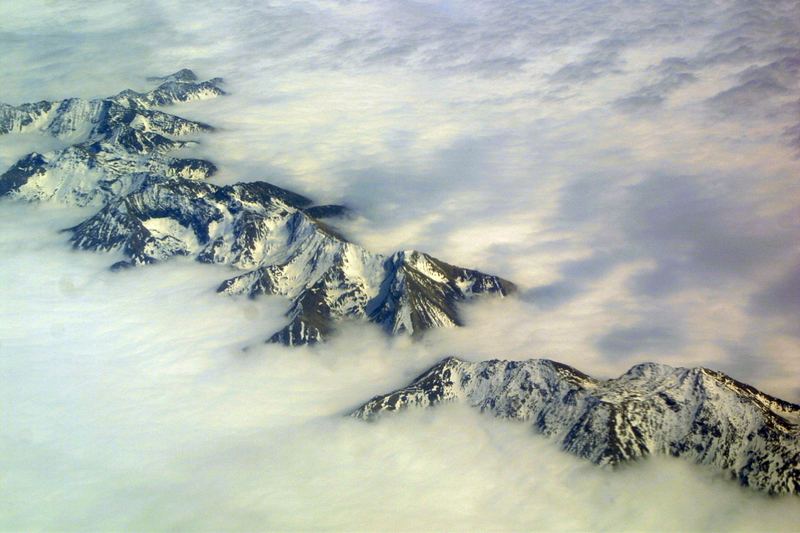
<point x="115" y="142"/>
<point x="153" y="207"/>
<point x="695" y="413"/>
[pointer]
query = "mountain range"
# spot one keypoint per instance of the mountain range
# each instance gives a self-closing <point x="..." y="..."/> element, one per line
<point x="696" y="413"/>
<point x="152" y="206"/>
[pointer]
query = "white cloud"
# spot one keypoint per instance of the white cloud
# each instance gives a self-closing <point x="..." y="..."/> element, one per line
<point x="666" y="233"/>
<point x="135" y="408"/>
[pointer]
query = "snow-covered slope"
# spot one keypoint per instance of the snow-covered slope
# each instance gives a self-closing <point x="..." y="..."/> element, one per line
<point x="282" y="250"/>
<point x="695" y="413"/>
<point x="113" y="143"/>
<point x="153" y="207"/>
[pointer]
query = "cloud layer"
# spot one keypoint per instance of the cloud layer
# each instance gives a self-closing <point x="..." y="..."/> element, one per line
<point x="632" y="166"/>
<point x="134" y="407"/>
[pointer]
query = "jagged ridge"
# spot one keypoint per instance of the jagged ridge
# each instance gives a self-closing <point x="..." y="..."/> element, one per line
<point x="153" y="207"/>
<point x="696" y="413"/>
<point x="114" y="142"/>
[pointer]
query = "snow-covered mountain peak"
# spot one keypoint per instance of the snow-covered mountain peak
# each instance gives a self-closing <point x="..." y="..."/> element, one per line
<point x="649" y="370"/>
<point x="184" y="75"/>
<point x="153" y="207"/>
<point x="182" y="86"/>
<point x="699" y="414"/>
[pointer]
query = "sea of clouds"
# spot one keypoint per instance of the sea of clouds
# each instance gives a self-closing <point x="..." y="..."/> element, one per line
<point x="631" y="166"/>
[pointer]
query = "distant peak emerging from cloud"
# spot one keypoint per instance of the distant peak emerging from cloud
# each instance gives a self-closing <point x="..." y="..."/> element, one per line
<point x="696" y="413"/>
<point x="153" y="207"/>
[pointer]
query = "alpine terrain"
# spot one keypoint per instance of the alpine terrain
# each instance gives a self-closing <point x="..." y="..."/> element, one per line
<point x="152" y="206"/>
<point x="696" y="413"/>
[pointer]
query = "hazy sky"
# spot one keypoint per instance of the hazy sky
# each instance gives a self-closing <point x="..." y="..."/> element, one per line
<point x="632" y="166"/>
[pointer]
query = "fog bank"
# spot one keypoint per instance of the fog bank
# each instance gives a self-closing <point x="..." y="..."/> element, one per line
<point x="631" y="166"/>
<point x="131" y="405"/>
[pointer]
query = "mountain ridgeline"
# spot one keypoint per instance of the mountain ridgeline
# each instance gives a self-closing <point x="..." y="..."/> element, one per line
<point x="695" y="413"/>
<point x="152" y="206"/>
